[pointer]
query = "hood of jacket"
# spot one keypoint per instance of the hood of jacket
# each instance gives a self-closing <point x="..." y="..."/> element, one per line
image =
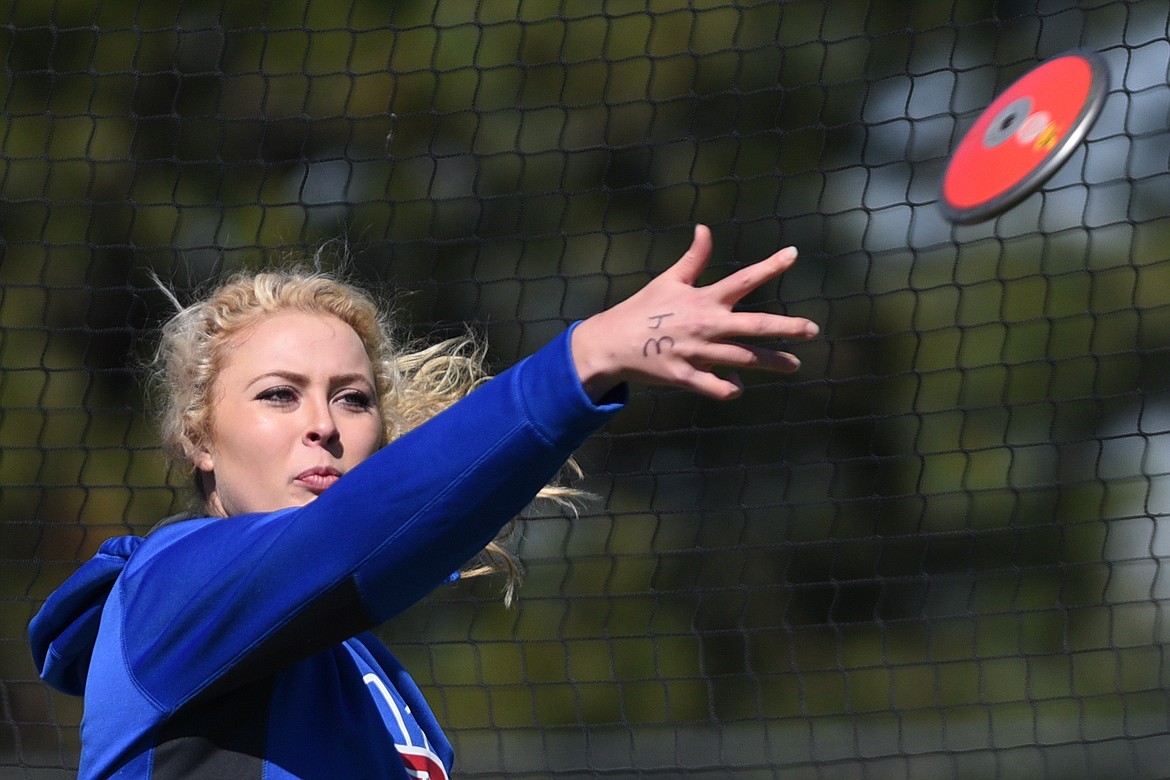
<point x="63" y="633"/>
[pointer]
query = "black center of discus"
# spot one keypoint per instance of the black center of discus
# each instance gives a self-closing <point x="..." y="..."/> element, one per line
<point x="1007" y="122"/>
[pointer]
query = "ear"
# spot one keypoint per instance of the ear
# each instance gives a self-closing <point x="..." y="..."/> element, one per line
<point x="204" y="461"/>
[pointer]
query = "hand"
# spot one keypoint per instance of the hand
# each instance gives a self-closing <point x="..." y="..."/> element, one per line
<point x="673" y="333"/>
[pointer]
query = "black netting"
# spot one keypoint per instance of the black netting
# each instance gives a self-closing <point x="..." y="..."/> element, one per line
<point x="935" y="552"/>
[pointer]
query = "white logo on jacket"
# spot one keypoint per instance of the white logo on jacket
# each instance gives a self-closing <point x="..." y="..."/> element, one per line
<point x="420" y="761"/>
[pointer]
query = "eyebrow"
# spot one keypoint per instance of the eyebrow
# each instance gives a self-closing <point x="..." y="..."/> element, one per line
<point x="300" y="379"/>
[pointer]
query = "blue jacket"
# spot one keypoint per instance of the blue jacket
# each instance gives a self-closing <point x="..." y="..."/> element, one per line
<point x="237" y="648"/>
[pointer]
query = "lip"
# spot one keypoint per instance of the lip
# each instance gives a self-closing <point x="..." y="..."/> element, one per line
<point x="317" y="479"/>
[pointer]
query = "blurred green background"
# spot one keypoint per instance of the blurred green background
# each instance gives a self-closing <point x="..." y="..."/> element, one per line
<point x="935" y="552"/>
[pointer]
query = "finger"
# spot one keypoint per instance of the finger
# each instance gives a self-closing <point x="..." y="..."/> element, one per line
<point x="688" y="267"/>
<point x="716" y="387"/>
<point x="762" y="325"/>
<point x="747" y="356"/>
<point x="733" y="288"/>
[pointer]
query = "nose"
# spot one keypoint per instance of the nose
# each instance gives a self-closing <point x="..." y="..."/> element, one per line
<point x="321" y="429"/>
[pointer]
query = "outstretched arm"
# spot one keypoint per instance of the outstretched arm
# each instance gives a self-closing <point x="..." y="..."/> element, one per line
<point x="673" y="333"/>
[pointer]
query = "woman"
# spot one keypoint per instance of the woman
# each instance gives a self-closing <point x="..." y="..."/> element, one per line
<point x="238" y="647"/>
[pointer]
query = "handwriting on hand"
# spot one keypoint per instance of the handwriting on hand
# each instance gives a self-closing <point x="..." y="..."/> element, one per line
<point x="666" y="342"/>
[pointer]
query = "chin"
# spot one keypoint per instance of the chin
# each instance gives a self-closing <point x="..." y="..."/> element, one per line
<point x="304" y="497"/>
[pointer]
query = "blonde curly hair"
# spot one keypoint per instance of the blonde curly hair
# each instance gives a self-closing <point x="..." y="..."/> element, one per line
<point x="413" y="382"/>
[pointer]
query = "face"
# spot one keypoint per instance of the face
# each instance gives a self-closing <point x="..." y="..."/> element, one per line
<point x="294" y="408"/>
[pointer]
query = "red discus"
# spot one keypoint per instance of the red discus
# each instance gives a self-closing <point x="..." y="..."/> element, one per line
<point x="1024" y="136"/>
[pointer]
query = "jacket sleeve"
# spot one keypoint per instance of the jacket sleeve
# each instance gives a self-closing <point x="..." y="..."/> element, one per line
<point x="213" y="603"/>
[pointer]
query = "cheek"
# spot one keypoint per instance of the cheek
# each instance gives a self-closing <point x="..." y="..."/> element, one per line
<point x="365" y="438"/>
<point x="246" y="442"/>
<point x="249" y="464"/>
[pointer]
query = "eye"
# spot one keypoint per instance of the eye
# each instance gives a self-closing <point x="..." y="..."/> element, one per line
<point x="279" y="396"/>
<point x="356" y="400"/>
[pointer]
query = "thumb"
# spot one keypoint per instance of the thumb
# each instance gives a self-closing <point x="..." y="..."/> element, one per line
<point x="688" y="267"/>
